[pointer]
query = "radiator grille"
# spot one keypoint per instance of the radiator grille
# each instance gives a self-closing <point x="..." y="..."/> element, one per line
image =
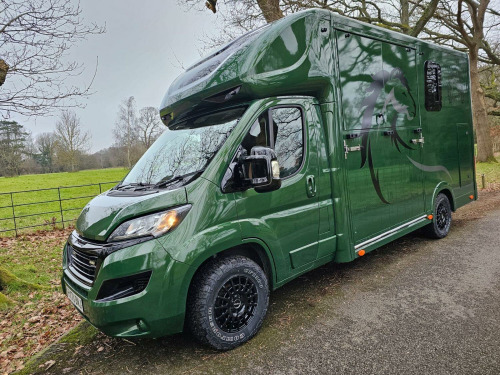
<point x="82" y="265"/>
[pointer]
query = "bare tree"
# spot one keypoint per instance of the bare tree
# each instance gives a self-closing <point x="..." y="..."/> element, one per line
<point x="149" y="125"/>
<point x="470" y="25"/>
<point x="126" y="129"/>
<point x="35" y="36"/>
<point x="72" y="140"/>
<point x="406" y="16"/>
<point x="490" y="83"/>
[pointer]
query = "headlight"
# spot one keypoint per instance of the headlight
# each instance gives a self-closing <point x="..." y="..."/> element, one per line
<point x="154" y="225"/>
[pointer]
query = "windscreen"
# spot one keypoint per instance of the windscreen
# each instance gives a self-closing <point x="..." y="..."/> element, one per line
<point x="186" y="150"/>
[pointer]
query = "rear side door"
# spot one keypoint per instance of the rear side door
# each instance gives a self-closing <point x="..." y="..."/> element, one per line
<point x="380" y="121"/>
<point x="287" y="219"/>
<point x="406" y="136"/>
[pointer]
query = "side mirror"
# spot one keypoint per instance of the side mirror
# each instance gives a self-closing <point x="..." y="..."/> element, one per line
<point x="260" y="170"/>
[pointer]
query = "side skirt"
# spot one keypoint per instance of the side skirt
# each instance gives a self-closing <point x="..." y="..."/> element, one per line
<point x="391" y="235"/>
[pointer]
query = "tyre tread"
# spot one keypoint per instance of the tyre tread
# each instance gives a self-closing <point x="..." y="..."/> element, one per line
<point x="430" y="230"/>
<point x="204" y="281"/>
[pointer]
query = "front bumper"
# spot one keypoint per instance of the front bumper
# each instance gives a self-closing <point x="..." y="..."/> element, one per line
<point x="156" y="311"/>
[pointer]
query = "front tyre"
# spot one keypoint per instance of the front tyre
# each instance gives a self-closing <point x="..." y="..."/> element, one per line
<point x="441" y="222"/>
<point x="227" y="302"/>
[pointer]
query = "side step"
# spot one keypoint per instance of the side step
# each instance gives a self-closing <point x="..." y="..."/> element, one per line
<point x="389" y="233"/>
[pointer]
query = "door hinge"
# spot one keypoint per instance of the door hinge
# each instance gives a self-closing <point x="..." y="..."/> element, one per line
<point x="419" y="140"/>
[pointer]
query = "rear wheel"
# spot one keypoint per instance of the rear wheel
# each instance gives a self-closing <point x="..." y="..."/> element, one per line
<point x="227" y="302"/>
<point x="441" y="222"/>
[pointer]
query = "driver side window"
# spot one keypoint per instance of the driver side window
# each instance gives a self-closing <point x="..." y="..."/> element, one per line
<point x="258" y="134"/>
<point x="285" y="136"/>
<point x="288" y="139"/>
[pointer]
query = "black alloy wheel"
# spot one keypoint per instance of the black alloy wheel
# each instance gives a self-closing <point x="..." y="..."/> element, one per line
<point x="227" y="302"/>
<point x="442" y="217"/>
<point x="235" y="303"/>
<point x="441" y="223"/>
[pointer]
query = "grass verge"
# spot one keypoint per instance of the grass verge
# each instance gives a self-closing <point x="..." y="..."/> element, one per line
<point x="37" y="316"/>
<point x="491" y="173"/>
<point x="82" y="334"/>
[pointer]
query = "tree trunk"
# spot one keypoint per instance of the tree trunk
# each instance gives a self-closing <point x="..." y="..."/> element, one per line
<point x="4" y="68"/>
<point x="7" y="278"/>
<point x="405" y="14"/>
<point x="129" y="164"/>
<point x="427" y="14"/>
<point x="270" y="9"/>
<point x="480" y="114"/>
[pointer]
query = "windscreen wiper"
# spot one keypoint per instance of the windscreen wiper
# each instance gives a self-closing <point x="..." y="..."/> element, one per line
<point x="163" y="183"/>
<point x="133" y="185"/>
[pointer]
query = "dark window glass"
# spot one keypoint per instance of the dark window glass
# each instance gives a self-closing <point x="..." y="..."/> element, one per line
<point x="433" y="99"/>
<point x="288" y="139"/>
<point x="258" y="134"/>
<point x="286" y="135"/>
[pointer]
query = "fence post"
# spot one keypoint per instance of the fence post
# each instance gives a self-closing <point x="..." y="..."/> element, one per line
<point x="13" y="212"/>
<point x="60" y="206"/>
<point x="100" y="189"/>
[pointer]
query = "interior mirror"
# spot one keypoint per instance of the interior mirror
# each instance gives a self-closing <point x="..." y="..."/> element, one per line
<point x="260" y="169"/>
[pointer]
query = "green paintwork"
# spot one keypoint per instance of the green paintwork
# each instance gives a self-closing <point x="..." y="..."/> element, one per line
<point x="325" y="65"/>
<point x="163" y="313"/>
<point x="103" y="214"/>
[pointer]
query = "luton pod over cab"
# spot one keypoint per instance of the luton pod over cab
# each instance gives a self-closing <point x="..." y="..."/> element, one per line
<point x="313" y="139"/>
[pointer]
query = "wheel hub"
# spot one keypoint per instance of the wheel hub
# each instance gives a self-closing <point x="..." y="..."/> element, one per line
<point x="235" y="303"/>
<point x="442" y="217"/>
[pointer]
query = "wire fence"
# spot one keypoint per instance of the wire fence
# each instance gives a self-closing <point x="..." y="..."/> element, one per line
<point x="49" y="208"/>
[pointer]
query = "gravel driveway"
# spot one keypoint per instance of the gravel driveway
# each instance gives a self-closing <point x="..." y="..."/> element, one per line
<point x="415" y="306"/>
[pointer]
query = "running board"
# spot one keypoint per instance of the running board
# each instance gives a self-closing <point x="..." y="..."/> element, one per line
<point x="389" y="233"/>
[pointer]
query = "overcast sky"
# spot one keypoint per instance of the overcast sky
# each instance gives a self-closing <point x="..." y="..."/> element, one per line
<point x="138" y="55"/>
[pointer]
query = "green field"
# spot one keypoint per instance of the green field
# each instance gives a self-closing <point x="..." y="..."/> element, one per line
<point x="29" y="204"/>
<point x="50" y="180"/>
<point x="29" y="209"/>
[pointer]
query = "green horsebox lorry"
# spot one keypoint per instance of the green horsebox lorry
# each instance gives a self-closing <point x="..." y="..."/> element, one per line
<point x="313" y="139"/>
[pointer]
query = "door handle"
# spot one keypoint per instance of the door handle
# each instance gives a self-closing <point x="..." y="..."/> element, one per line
<point x="310" y="186"/>
<point x="348" y="149"/>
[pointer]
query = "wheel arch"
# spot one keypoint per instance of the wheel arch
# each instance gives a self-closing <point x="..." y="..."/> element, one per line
<point x="445" y="189"/>
<point x="253" y="248"/>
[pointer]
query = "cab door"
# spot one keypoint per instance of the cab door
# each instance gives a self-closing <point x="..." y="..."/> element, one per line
<point x="286" y="219"/>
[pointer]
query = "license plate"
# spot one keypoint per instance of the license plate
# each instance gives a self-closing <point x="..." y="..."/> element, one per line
<point x="77" y="301"/>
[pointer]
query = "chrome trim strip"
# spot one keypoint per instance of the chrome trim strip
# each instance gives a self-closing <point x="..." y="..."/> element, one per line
<point x="388" y="233"/>
<point x="80" y="276"/>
